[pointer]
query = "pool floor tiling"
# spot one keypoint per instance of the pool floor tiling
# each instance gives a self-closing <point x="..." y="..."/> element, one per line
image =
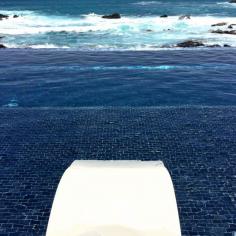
<point x="197" y="145"/>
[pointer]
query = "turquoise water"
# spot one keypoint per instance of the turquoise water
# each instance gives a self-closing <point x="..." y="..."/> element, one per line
<point x="125" y="7"/>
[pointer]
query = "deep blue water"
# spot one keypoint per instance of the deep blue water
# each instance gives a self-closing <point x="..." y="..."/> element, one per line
<point x="45" y="78"/>
<point x="80" y="59"/>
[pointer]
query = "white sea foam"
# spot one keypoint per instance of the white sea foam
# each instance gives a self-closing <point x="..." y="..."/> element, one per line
<point x="127" y="33"/>
<point x="38" y="46"/>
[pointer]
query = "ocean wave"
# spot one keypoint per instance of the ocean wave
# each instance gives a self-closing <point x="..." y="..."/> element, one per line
<point x="34" y="24"/>
<point x="147" y="3"/>
<point x="16" y="12"/>
<point x="226" y="4"/>
<point x="92" y="32"/>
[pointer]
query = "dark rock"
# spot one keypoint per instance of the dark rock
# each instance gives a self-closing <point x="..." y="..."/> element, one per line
<point x="166" y="46"/>
<point x="214" y="46"/>
<point x="164" y="16"/>
<point x="149" y="30"/>
<point x="2" y="46"/>
<point x="233" y="32"/>
<point x="15" y="16"/>
<point x="189" y="44"/>
<point x="219" y="24"/>
<point x="227" y="46"/>
<point x="63" y="32"/>
<point x="3" y="16"/>
<point x="232" y="1"/>
<point x="231" y="26"/>
<point x="112" y="16"/>
<point x="185" y="17"/>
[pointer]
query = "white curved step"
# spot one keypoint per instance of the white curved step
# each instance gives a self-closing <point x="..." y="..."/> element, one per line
<point x="115" y="198"/>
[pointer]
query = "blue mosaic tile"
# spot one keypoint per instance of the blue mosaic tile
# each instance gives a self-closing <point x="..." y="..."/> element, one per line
<point x="197" y="145"/>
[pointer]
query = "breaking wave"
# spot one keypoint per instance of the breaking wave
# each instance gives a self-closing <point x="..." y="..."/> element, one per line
<point x="91" y="32"/>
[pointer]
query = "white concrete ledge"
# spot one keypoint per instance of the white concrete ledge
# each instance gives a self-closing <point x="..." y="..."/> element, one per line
<point x="115" y="198"/>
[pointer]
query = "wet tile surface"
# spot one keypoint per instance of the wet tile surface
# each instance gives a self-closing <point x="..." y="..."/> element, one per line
<point x="197" y="145"/>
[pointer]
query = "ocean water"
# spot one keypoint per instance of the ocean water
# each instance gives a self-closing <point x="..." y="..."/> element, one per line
<point x="78" y="24"/>
<point x="62" y="53"/>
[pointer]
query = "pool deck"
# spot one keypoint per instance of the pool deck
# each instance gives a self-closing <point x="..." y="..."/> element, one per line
<point x="196" y="144"/>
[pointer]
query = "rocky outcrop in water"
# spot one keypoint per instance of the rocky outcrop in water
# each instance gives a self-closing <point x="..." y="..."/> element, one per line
<point x="185" y="17"/>
<point x="2" y="16"/>
<point x="232" y="1"/>
<point x="164" y="16"/>
<point x="112" y="16"/>
<point x="190" y="44"/>
<point x="233" y="32"/>
<point x="219" y="24"/>
<point x="214" y="46"/>
<point x="218" y="46"/>
<point x="2" y="46"/>
<point x="231" y="26"/>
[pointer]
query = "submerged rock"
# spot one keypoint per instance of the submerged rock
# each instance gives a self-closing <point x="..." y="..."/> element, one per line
<point x="2" y="46"/>
<point x="219" y="24"/>
<point x="164" y="16"/>
<point x="2" y="16"/>
<point x="190" y="43"/>
<point x="233" y="32"/>
<point x="227" y="46"/>
<point x="185" y="17"/>
<point x="232" y="1"/>
<point x="112" y="16"/>
<point x="15" y="16"/>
